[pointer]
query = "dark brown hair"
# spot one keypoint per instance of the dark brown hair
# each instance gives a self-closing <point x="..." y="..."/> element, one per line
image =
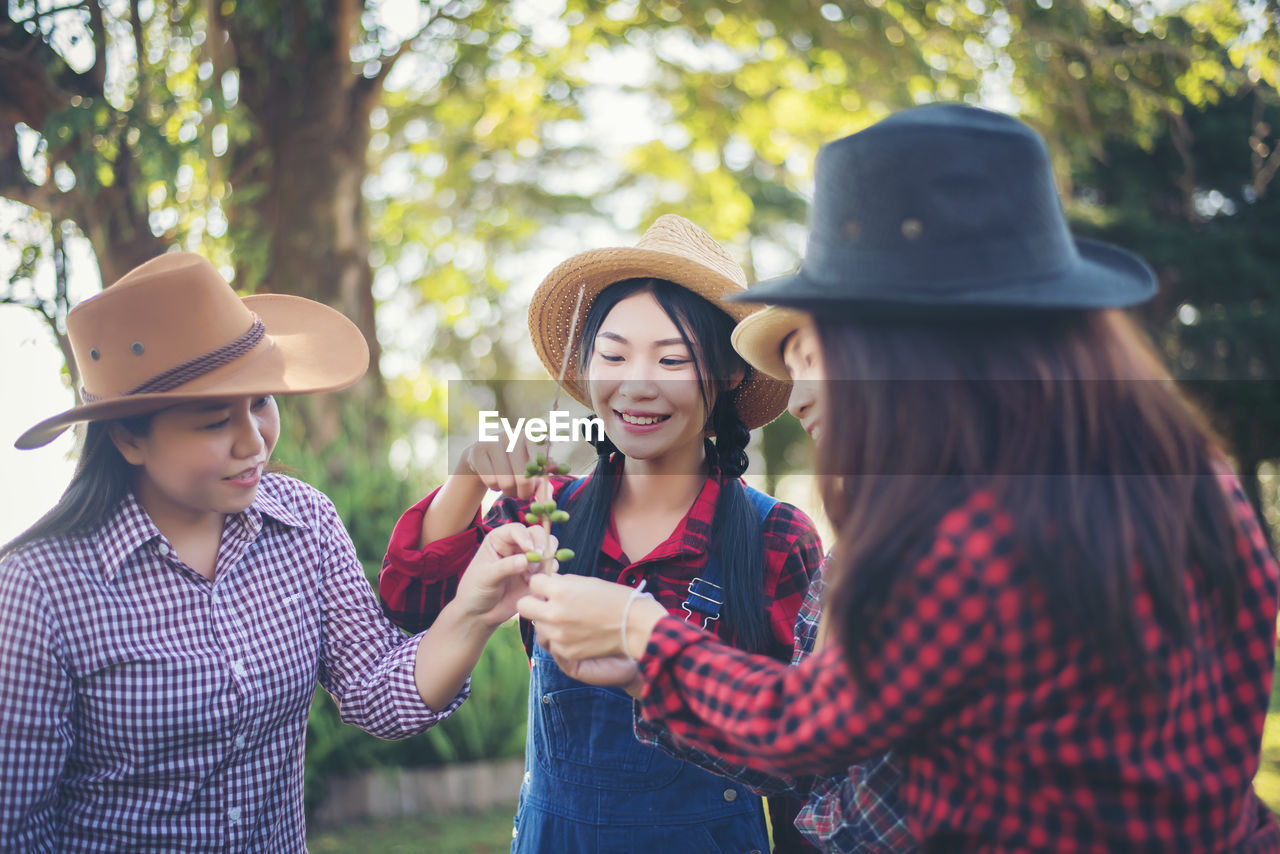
<point x="101" y="479"/>
<point x="1068" y="419"/>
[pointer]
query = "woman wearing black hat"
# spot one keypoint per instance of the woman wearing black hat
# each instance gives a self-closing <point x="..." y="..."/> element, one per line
<point x="1050" y="598"/>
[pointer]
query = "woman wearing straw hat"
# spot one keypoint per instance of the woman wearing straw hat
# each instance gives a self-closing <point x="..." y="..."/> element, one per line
<point x="1050" y="598"/>
<point x="163" y="627"/>
<point x="647" y="332"/>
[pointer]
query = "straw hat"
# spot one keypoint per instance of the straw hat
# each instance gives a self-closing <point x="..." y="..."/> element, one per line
<point x="759" y="338"/>
<point x="673" y="249"/>
<point x="173" y="330"/>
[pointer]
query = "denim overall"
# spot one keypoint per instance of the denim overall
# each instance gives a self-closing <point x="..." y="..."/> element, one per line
<point x="591" y="788"/>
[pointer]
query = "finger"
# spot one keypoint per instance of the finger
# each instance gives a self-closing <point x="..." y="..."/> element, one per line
<point x="544" y="491"/>
<point x="525" y="486"/>
<point x="542" y="540"/>
<point x="507" y="567"/>
<point x="531" y="607"/>
<point x="543" y="586"/>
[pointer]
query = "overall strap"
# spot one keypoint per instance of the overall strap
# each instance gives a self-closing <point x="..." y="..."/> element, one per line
<point x="563" y="501"/>
<point x="706" y="593"/>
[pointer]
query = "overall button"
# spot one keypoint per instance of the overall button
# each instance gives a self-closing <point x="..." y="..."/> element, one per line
<point x="528" y="776"/>
<point x="730" y="795"/>
<point x="546" y="699"/>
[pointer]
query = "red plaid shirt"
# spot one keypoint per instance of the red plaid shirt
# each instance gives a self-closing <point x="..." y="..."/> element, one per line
<point x="1011" y="735"/>
<point x="416" y="583"/>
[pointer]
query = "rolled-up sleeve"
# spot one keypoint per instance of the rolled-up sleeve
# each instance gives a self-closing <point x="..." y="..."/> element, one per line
<point x="367" y="664"/>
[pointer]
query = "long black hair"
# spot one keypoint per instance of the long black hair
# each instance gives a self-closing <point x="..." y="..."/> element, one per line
<point x="736" y="532"/>
<point x="1069" y="419"/>
<point x="102" y="477"/>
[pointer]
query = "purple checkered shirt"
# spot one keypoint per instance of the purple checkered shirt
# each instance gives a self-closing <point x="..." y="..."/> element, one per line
<point x="858" y="813"/>
<point x="145" y="707"/>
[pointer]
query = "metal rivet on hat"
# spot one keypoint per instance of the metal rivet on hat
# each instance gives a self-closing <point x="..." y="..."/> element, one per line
<point x="94" y="354"/>
<point x="137" y="348"/>
<point x="851" y="228"/>
<point x="911" y="228"/>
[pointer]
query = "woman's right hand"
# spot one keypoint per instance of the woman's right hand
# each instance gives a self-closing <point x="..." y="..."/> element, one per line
<point x="501" y="470"/>
<point x="580" y="618"/>
<point x="498" y="575"/>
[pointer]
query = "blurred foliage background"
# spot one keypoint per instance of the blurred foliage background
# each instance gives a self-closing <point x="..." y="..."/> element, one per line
<point x="421" y="164"/>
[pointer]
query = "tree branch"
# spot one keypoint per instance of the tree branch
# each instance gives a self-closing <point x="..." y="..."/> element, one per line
<point x="98" y="30"/>
<point x="1263" y="163"/>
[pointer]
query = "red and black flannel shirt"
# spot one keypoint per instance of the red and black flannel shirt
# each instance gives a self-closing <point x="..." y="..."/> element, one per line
<point x="416" y="583"/>
<point x="1011" y="733"/>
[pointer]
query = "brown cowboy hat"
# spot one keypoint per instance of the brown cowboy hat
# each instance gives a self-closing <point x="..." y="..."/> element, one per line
<point x="173" y="330"/>
<point x="673" y="249"/>
<point x="759" y="337"/>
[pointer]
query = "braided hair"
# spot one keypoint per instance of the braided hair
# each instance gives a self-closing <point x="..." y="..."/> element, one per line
<point x="736" y="531"/>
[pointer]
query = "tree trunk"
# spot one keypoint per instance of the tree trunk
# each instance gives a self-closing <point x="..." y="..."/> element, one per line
<point x="302" y="229"/>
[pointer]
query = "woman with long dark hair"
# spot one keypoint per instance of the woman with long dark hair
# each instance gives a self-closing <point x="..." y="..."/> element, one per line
<point x="1050" y="598"/>
<point x="664" y="507"/>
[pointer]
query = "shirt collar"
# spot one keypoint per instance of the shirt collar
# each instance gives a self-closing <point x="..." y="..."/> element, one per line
<point x="130" y="527"/>
<point x="126" y="529"/>
<point x="269" y="500"/>
<point x="691" y="536"/>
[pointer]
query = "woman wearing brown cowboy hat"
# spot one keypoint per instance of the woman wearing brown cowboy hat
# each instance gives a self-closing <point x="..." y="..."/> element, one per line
<point x="163" y="627"/>
<point x="1050" y="599"/>
<point x="647" y="330"/>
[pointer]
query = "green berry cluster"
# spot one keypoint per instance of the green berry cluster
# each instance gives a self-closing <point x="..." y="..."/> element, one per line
<point x="540" y="466"/>
<point x="545" y="513"/>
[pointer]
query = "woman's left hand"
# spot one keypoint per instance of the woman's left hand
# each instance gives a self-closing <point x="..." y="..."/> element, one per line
<point x="612" y="672"/>
<point x="580" y="618"/>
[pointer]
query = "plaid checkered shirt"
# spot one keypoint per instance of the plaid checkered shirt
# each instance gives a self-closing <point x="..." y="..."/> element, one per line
<point x="145" y="707"/>
<point x="859" y="812"/>
<point x="1012" y="732"/>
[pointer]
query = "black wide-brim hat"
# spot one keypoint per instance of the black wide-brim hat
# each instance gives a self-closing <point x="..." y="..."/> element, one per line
<point x="948" y="208"/>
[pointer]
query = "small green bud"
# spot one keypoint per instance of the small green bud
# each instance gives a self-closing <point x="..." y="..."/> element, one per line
<point x="531" y="519"/>
<point x="564" y="555"/>
<point x="559" y="516"/>
<point x="541" y="460"/>
<point x="532" y="470"/>
<point x="533" y="557"/>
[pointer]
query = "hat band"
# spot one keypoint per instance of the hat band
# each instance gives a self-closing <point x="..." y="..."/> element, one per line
<point x="194" y="368"/>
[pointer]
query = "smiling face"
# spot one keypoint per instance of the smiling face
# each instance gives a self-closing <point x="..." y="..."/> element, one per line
<point x="202" y="461"/>
<point x="644" y="383"/>
<point x="802" y="355"/>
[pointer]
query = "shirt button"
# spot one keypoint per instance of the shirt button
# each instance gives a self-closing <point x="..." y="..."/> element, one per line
<point x="233" y="815"/>
<point x="546" y="699"/>
<point x="162" y="549"/>
<point x="730" y="794"/>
